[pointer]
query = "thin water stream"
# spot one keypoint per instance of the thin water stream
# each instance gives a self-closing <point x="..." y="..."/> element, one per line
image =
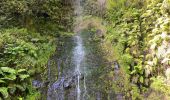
<point x="78" y="56"/>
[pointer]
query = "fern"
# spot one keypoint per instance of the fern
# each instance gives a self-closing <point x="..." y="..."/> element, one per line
<point x="8" y="70"/>
<point x="23" y="76"/>
<point x="4" y="91"/>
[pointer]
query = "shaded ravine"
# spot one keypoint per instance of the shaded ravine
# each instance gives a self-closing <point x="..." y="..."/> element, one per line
<point x="75" y="74"/>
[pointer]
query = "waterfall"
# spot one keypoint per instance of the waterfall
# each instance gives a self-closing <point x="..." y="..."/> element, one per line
<point x="78" y="9"/>
<point x="78" y="52"/>
<point x="77" y="65"/>
<point x="78" y="55"/>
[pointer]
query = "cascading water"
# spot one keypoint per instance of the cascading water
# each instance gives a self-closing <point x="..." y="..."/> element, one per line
<point x="78" y="55"/>
<point x="79" y="49"/>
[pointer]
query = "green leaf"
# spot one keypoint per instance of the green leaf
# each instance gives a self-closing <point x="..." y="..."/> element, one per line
<point x="20" y="87"/>
<point x="35" y="40"/>
<point x="141" y="79"/>
<point x="4" y="91"/>
<point x="155" y="61"/>
<point x="8" y="70"/>
<point x="9" y="77"/>
<point x="21" y="70"/>
<point x="12" y="89"/>
<point x="133" y="72"/>
<point x="2" y="81"/>
<point x="22" y="77"/>
<point x="20" y="98"/>
<point x="1" y="72"/>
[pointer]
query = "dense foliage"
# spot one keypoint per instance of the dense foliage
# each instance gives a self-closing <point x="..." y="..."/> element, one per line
<point x="27" y="30"/>
<point x="23" y="54"/>
<point x="33" y="14"/>
<point x="139" y="31"/>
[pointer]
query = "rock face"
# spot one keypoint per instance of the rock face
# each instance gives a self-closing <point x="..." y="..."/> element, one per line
<point x="99" y="33"/>
<point x="39" y="84"/>
<point x="63" y="84"/>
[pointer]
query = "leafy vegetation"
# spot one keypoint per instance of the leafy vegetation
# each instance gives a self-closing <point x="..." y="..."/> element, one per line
<point x="29" y="33"/>
<point x="139" y="33"/>
<point x="132" y="33"/>
<point x="23" y="54"/>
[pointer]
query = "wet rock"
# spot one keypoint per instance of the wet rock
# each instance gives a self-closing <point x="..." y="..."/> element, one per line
<point x="67" y="83"/>
<point x="78" y="74"/>
<point x="82" y="77"/>
<point x="46" y="83"/>
<point x="119" y="96"/>
<point x="99" y="33"/>
<point x="58" y="84"/>
<point x="37" y="84"/>
<point x="116" y="65"/>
